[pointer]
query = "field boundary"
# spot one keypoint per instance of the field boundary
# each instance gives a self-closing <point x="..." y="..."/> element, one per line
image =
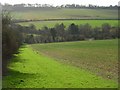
<point x="19" y="21"/>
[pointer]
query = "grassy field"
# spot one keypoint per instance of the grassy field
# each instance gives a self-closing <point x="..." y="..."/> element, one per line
<point x="63" y="65"/>
<point x="54" y="13"/>
<point x="93" y="23"/>
<point x="99" y="57"/>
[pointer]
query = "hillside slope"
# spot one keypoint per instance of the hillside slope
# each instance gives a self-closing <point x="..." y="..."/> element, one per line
<point x="54" y="13"/>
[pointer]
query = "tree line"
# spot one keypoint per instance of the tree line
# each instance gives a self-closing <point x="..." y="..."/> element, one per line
<point x="61" y="33"/>
<point x="11" y="40"/>
<point x="37" y="5"/>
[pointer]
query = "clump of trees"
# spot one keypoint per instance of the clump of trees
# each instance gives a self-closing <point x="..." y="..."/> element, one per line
<point x="59" y="33"/>
<point x="11" y="39"/>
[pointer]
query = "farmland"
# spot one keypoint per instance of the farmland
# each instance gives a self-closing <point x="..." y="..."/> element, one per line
<point x="93" y="23"/>
<point x="63" y="13"/>
<point x="80" y="53"/>
<point x="83" y="64"/>
<point x="97" y="56"/>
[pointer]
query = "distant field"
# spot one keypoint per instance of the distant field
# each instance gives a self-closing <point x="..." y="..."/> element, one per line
<point x="93" y="23"/>
<point x="99" y="56"/>
<point x="84" y="64"/>
<point x="54" y="13"/>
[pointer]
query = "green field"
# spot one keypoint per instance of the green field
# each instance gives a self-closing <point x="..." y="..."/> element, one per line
<point x="93" y="23"/>
<point x="84" y="64"/>
<point x="99" y="56"/>
<point x="63" y="13"/>
<point x="54" y="13"/>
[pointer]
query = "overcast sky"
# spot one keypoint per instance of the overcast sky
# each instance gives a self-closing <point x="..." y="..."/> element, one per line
<point x="59" y="2"/>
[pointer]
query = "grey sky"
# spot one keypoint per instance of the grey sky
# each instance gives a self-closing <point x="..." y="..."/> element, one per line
<point x="59" y="2"/>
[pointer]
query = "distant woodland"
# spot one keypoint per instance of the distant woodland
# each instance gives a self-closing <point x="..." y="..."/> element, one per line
<point x="6" y="5"/>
